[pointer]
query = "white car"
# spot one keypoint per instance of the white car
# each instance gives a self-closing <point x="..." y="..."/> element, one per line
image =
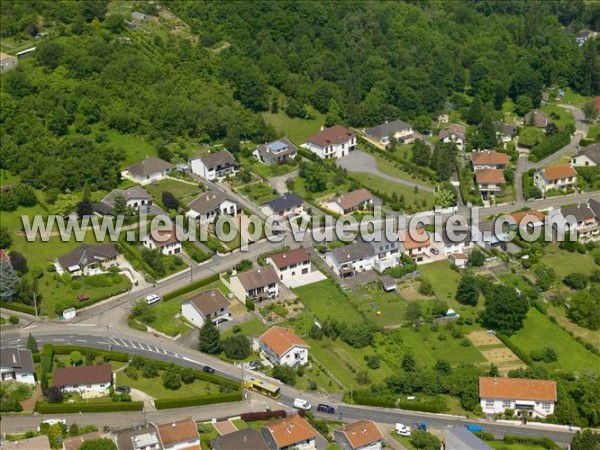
<point x="152" y="298"/>
<point x="52" y="422"/>
<point x="402" y="430"/>
<point x="302" y="404"/>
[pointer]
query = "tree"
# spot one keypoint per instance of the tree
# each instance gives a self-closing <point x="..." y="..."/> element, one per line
<point x="285" y="374"/>
<point x="150" y="370"/>
<point x="169" y="200"/>
<point x="413" y="313"/>
<point x="409" y="363"/>
<point x="590" y="111"/>
<point x="421" y="153"/>
<point x="32" y="344"/>
<point x="188" y="375"/>
<point x="54" y="394"/>
<point x="584" y="309"/>
<point x="425" y="288"/>
<point x="475" y="113"/>
<point x="586" y="440"/>
<point x="154" y="259"/>
<point x="424" y="440"/>
<point x="467" y="291"/>
<point x="545" y="276"/>
<point x="85" y="208"/>
<point x="99" y="444"/>
<point x="576" y="280"/>
<point x="119" y="206"/>
<point x="237" y="347"/>
<point x="10" y="280"/>
<point x="76" y="358"/>
<point x="24" y="195"/>
<point x="209" y="338"/>
<point x="19" y="262"/>
<point x="486" y="136"/>
<point x="143" y="312"/>
<point x="5" y="238"/>
<point x="442" y="366"/>
<point x="523" y="105"/>
<point x="172" y="378"/>
<point x="505" y="310"/>
<point x="477" y="258"/>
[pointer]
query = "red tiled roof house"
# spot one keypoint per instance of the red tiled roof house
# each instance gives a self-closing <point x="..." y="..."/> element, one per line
<point x="359" y="435"/>
<point x="89" y="381"/>
<point x="293" y="432"/>
<point x="562" y="176"/>
<point x="489" y="181"/>
<point x="164" y="240"/>
<point x="284" y="347"/>
<point x="291" y="265"/>
<point x="528" y="398"/>
<point x="333" y="142"/>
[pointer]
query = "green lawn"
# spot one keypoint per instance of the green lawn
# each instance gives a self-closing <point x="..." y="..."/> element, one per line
<point x="325" y="300"/>
<point x="564" y="117"/>
<point x="443" y="279"/>
<point x="208" y="433"/>
<point x="297" y="130"/>
<point x="593" y="131"/>
<point x="154" y="387"/>
<point x="564" y="262"/>
<point x="135" y="148"/>
<point x="260" y="193"/>
<point x="384" y="308"/>
<point x="166" y="312"/>
<point x="499" y="445"/>
<point x="7" y="178"/>
<point x="514" y="280"/>
<point x="412" y="200"/>
<point x="539" y="332"/>
<point x="389" y="168"/>
<point x="184" y="192"/>
<point x="264" y="170"/>
<point x="573" y="98"/>
<point x="252" y="328"/>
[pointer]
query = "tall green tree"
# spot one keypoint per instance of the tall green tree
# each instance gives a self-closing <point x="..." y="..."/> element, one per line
<point x="10" y="281"/>
<point x="475" y="113"/>
<point x="505" y="310"/>
<point x="486" y="133"/>
<point x="32" y="344"/>
<point x="467" y="291"/>
<point x="209" y="338"/>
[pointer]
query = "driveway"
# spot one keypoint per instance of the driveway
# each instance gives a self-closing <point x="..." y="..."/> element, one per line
<point x="359" y="161"/>
<point x="279" y="183"/>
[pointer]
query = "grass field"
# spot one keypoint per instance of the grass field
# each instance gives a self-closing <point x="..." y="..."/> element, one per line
<point x="564" y="117"/>
<point x="373" y="182"/>
<point x="389" y="168"/>
<point x="593" y="131"/>
<point x="539" y="332"/>
<point x="184" y="192"/>
<point x="297" y="130"/>
<point x="573" y="98"/>
<point x="559" y="313"/>
<point x="264" y="170"/>
<point x="135" y="148"/>
<point x="253" y="327"/>
<point x="372" y="299"/>
<point x="154" y="387"/>
<point x="564" y="262"/>
<point x="443" y="279"/>
<point x="325" y="300"/>
<point x="260" y="192"/>
<point x="499" y="445"/>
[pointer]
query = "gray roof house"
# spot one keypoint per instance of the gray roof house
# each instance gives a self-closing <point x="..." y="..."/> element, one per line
<point x="214" y="165"/>
<point x="86" y="257"/>
<point x="208" y="205"/>
<point x="276" y="152"/>
<point x="349" y="260"/>
<point x="144" y="437"/>
<point x="282" y="206"/>
<point x="587" y="156"/>
<point x="397" y="128"/>
<point x="149" y="170"/>
<point x="17" y="365"/>
<point x="248" y="438"/>
<point x="135" y="198"/>
<point x="459" y="438"/>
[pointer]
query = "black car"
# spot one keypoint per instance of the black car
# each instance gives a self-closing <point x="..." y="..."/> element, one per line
<point x="322" y="407"/>
<point x="256" y="364"/>
<point x="208" y="369"/>
<point x="123" y="389"/>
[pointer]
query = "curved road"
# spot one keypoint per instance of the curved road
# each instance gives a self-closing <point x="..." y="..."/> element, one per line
<point x="138" y="343"/>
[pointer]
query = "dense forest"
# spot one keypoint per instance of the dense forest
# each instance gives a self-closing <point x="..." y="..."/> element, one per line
<point x="357" y="62"/>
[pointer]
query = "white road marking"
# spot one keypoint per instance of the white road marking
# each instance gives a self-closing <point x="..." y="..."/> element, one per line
<point x="58" y="340"/>
<point x="80" y="340"/>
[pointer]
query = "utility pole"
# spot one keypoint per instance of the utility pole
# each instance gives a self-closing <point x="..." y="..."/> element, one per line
<point x="243" y="391"/>
<point x="108" y="335"/>
<point x="35" y="303"/>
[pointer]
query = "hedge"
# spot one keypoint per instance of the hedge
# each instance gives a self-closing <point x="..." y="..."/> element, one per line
<point x="20" y="307"/>
<point x="67" y="408"/>
<point x="263" y="415"/>
<point x="191" y="287"/>
<point x="113" y="356"/>
<point x="368" y="399"/>
<point x="527" y="440"/>
<point x="307" y="154"/>
<point x="169" y="403"/>
<point x="135" y="257"/>
<point x="517" y="351"/>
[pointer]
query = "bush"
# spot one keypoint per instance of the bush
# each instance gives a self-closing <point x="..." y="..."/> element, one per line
<point x="530" y="440"/>
<point x="263" y="415"/>
<point x="20" y="307"/>
<point x="109" y="356"/>
<point x="73" y="408"/>
<point x="197" y="401"/>
<point x="237" y="347"/>
<point x="285" y="374"/>
<point x="191" y="287"/>
<point x="576" y="280"/>
<point x="13" y="320"/>
<point x="372" y="361"/>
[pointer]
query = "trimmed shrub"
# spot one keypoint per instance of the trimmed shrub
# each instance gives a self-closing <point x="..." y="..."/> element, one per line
<point x="112" y="356"/>
<point x="168" y="403"/>
<point x="263" y="415"/>
<point x="191" y="287"/>
<point x="530" y="440"/>
<point x="66" y="408"/>
<point x="20" y="307"/>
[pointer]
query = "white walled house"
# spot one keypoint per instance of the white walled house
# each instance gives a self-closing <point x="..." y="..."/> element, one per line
<point x="587" y="157"/>
<point x="87" y="259"/>
<point x="416" y="244"/>
<point x="287" y="205"/>
<point x="257" y="285"/>
<point x="455" y="134"/>
<point x="208" y="206"/>
<point x="398" y="129"/>
<point x="449" y="246"/>
<point x="386" y="251"/>
<point x="214" y="166"/>
<point x="292" y="432"/>
<point x="528" y="398"/>
<point x="291" y="264"/>
<point x="166" y="241"/>
<point x="489" y="181"/>
<point x="208" y="305"/>
<point x="556" y="177"/>
<point x="358" y="200"/>
<point x="179" y="435"/>
<point x="89" y="381"/>
<point x="17" y="365"/>
<point x="148" y="170"/>
<point x="333" y="142"/>
<point x="277" y="152"/>
<point x="136" y="198"/>
<point x="488" y="159"/>
<point x="359" y="435"/>
<point x="583" y="218"/>
<point x="349" y="260"/>
<point x="284" y="347"/>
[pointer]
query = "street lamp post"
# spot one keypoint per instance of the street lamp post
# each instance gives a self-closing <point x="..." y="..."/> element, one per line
<point x="108" y="335"/>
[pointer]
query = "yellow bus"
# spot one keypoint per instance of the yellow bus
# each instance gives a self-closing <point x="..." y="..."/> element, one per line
<point x="260" y="386"/>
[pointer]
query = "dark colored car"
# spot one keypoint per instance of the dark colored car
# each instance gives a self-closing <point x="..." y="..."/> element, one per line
<point x="123" y="389"/>
<point x="208" y="369"/>
<point x="325" y="408"/>
<point x="256" y="364"/>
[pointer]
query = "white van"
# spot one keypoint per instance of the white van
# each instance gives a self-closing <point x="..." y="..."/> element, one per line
<point x="52" y="422"/>
<point x="302" y="404"/>
<point x="152" y="299"/>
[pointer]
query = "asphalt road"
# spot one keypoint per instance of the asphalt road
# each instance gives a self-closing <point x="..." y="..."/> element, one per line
<point x="157" y="348"/>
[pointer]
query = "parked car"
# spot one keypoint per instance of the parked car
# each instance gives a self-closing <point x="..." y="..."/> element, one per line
<point x="420" y="426"/>
<point x="328" y="409"/>
<point x="435" y="251"/>
<point x="208" y="369"/>
<point x="402" y="430"/>
<point x="302" y="404"/>
<point x="152" y="299"/>
<point x="474" y="428"/>
<point x="255" y="364"/>
<point x="52" y="422"/>
<point x="123" y="389"/>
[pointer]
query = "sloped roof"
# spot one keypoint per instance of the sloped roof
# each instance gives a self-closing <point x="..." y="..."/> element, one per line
<point x="352" y="252"/>
<point x="67" y="376"/>
<point x="149" y="166"/>
<point x="331" y="136"/>
<point x="18" y="359"/>
<point x="88" y="252"/>
<point x="280" y="340"/>
<point x="248" y="438"/>
<point x="134" y="192"/>
<point x="220" y="158"/>
<point x="528" y="217"/>
<point x="467" y="440"/>
<point x="592" y="152"/>
<point x="387" y="128"/>
<point x="558" y="172"/>
<point x="183" y="430"/>
<point x="488" y="157"/>
<point x="209" y="302"/>
<point x="361" y="433"/>
<point x="279" y="147"/>
<point x="207" y="202"/>
<point x="352" y="199"/>
<point x="284" y="259"/>
<point x="489" y="176"/>
<point x="35" y="443"/>
<point x="595" y="206"/>
<point x="167" y="236"/>
<point x="580" y="212"/>
<point x="258" y="277"/>
<point x="540" y="118"/>
<point x="73" y="443"/>
<point x="517" y="388"/>
<point x="454" y="129"/>
<point x="415" y="239"/>
<point x="287" y="201"/>
<point x="291" y="430"/>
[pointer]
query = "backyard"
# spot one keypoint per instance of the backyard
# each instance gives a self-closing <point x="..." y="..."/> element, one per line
<point x="296" y="129"/>
<point x="184" y="192"/>
<point x="539" y="332"/>
<point x="387" y="187"/>
<point x="443" y="279"/>
<point x="565" y="263"/>
<point x="384" y="308"/>
<point x="325" y="300"/>
<point x="154" y="387"/>
<point x="259" y="192"/>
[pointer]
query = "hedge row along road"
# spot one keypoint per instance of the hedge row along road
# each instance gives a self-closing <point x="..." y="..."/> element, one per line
<point x="168" y="351"/>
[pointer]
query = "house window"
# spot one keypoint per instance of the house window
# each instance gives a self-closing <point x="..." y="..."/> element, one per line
<point x="489" y="403"/>
<point x="506" y="404"/>
<point x="546" y="406"/>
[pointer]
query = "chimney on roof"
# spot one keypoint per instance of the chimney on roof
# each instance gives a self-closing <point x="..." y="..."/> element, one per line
<point x="322" y="127"/>
<point x="174" y="425"/>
